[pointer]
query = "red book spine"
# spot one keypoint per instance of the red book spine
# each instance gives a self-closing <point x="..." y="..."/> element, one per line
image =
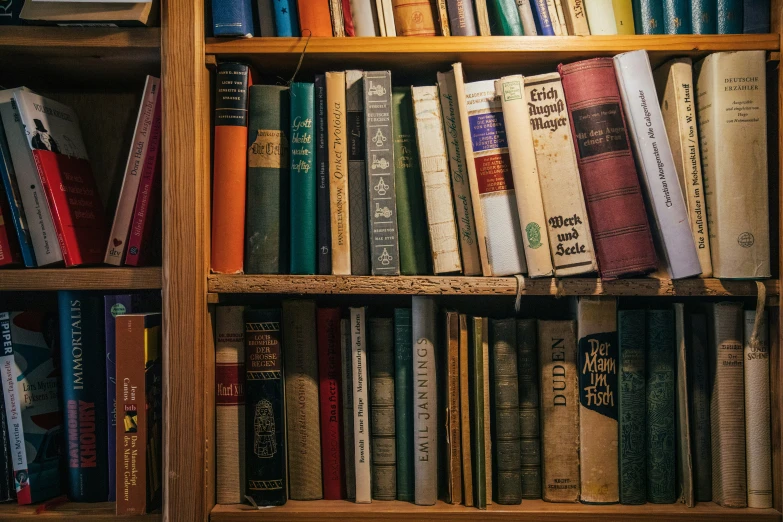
<point x="331" y="403"/>
<point x="9" y="245"/>
<point x="348" y="19"/>
<point x="615" y="207"/>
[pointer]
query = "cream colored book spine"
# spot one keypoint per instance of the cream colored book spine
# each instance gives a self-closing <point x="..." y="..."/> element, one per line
<point x="337" y="145"/>
<point x="434" y="163"/>
<point x="757" y="410"/>
<point x="482" y="16"/>
<point x="576" y="17"/>
<point x="386" y="17"/>
<point x="600" y="17"/>
<point x="555" y="9"/>
<point x="361" y="406"/>
<point x="443" y="18"/>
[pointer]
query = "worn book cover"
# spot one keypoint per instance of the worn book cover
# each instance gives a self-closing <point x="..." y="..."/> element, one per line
<point x="357" y="175"/>
<point x="413" y="18"/>
<point x="576" y="17"/>
<point x="529" y="408"/>
<point x="462" y="19"/>
<point x="346" y="359"/>
<point x="479" y="336"/>
<point x="465" y="378"/>
<point x="685" y="488"/>
<point x="382" y="425"/>
<point x="632" y="406"/>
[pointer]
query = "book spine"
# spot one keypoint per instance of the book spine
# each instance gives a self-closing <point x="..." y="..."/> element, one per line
<point x="756" y="17"/>
<point x="505" y="412"/>
<point x="365" y="18"/>
<point x="16" y="210"/>
<point x="488" y="465"/>
<point x="408" y="187"/>
<point x="425" y="422"/>
<point x="315" y="18"/>
<point x="386" y="18"/>
<point x="403" y="403"/>
<point x="527" y="18"/>
<point x="451" y="401"/>
<point x="134" y="168"/>
<point x="9" y="374"/>
<point x="229" y="182"/>
<point x="350" y="30"/>
<point x="543" y="21"/>
<point x="338" y="19"/>
<point x="232" y="18"/>
<point x="478" y="342"/>
<point x="7" y="485"/>
<point x="648" y="16"/>
<point x="357" y="176"/>
<point x="462" y="20"/>
<point x="265" y="416"/>
<point x="621" y="232"/>
<point x="556" y="15"/>
<point x="623" y="16"/>
<point x="482" y="17"/>
<point x="676" y="17"/>
<point x="265" y="18"/>
<point x="730" y="16"/>
<point x="361" y="413"/>
<point x="704" y="16"/>
<point x="524" y="170"/>
<point x="9" y="246"/>
<point x="460" y="186"/>
<point x="529" y="405"/>
<point x="597" y="364"/>
<point x="302" y="412"/>
<point x="576" y="18"/>
<point x="331" y="408"/>
<point x="601" y="17"/>
<point x="433" y="159"/>
<point x="757" y="411"/>
<point x="505" y="20"/>
<point x="382" y="403"/>
<point x="286" y="18"/>
<point x="303" y="179"/>
<point x="346" y="359"/>
<point x="698" y="376"/>
<point x="323" y="212"/>
<point x="632" y="406"/>
<point x="339" y="200"/>
<point x="412" y="18"/>
<point x="559" y="411"/>
<point x="464" y="410"/>
<point x="737" y="204"/>
<point x="381" y="167"/>
<point x="443" y="18"/>
<point x="660" y="407"/>
<point x="682" y="412"/>
<point x="656" y="163"/>
<point x="491" y="181"/>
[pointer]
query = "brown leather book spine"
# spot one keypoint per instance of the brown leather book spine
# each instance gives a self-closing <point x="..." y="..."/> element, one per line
<point x="315" y="17"/>
<point x="618" y="222"/>
<point x="454" y="457"/>
<point x="413" y="18"/>
<point x="464" y="414"/>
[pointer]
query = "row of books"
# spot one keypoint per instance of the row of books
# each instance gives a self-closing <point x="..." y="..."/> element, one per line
<point x="82" y="401"/>
<point x="555" y="174"/>
<point x="50" y="210"/>
<point x="91" y="14"/>
<point x="631" y="405"/>
<point x="245" y="18"/>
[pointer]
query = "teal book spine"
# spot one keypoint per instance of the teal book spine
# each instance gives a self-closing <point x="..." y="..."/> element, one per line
<point x="661" y="436"/>
<point x="648" y="16"/>
<point x="730" y="17"/>
<point x="266" y="222"/>
<point x="633" y="472"/>
<point x="302" y="169"/>
<point x="676" y="17"/>
<point x="504" y="18"/>
<point x="704" y="15"/>
<point x="403" y="402"/>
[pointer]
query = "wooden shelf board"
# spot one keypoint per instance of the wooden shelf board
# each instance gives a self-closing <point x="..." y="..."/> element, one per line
<point x="75" y="38"/>
<point x="71" y="512"/>
<point x="537" y="510"/>
<point x="45" y="279"/>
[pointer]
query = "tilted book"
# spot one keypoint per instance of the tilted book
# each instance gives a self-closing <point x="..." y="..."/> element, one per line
<point x="337" y="144"/>
<point x="529" y="408"/>
<point x="361" y="405"/>
<point x="425" y="400"/>
<point x="403" y="403"/>
<point x="685" y="489"/>
<point x="601" y="17"/>
<point x="465" y="418"/>
<point x="13" y="199"/>
<point x="631" y="406"/>
<point x="329" y="385"/>
<point x="384" y="451"/>
<point x="303" y="178"/>
<point x="756" y="17"/>
<point x="322" y="210"/>
<point x="433" y="159"/>
<point x="346" y="359"/>
<point x="698" y="377"/>
<point x="451" y="409"/>
<point x="357" y="175"/>
<point x="491" y="182"/>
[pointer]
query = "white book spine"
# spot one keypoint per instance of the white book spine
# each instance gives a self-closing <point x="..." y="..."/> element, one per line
<point x="526" y="17"/>
<point x="600" y="16"/>
<point x="425" y="406"/>
<point x="576" y="18"/>
<point x="386" y="18"/>
<point x="116" y="248"/>
<point x="347" y="396"/>
<point x="511" y="90"/>
<point x="656" y="163"/>
<point x="365" y="18"/>
<point x="434" y="163"/>
<point x="460" y="186"/>
<point x="36" y="209"/>
<point x="9" y="380"/>
<point x="757" y="413"/>
<point x="361" y="406"/>
<point x="556" y="16"/>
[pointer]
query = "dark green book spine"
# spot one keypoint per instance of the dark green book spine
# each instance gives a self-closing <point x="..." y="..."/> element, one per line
<point x="266" y="224"/>
<point x="504" y="18"/>
<point x="411" y="217"/>
<point x="633" y="471"/>
<point x="529" y="412"/>
<point x="730" y="17"/>
<point x="403" y="402"/>
<point x="303" y="174"/>
<point x="648" y="16"/>
<point x="324" y="216"/>
<point x="698" y="377"/>
<point x="676" y="17"/>
<point x="704" y="15"/>
<point x="660" y="407"/>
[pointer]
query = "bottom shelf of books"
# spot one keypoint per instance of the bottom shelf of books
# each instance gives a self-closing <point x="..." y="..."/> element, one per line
<point x="70" y="512"/>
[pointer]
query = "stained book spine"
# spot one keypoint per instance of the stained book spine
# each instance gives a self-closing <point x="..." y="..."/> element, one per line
<point x="346" y="357"/>
<point x="329" y="384"/>
<point x="529" y="408"/>
<point x="621" y="232"/>
<point x="632" y="406"/>
<point x="303" y="179"/>
<point x="337" y="145"/>
<point x="698" y="376"/>
<point x="462" y="20"/>
<point x="266" y="456"/>
<point x="361" y="405"/>
<point x="685" y="487"/>
<point x="450" y="407"/>
<point x="425" y="405"/>
<point x="384" y="451"/>
<point x="357" y="177"/>
<point x="323" y="211"/>
<point x="403" y="403"/>
<point x="411" y="18"/>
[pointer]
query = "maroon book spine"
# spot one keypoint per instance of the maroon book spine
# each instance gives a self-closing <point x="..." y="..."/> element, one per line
<point x="615" y="207"/>
<point x="328" y="325"/>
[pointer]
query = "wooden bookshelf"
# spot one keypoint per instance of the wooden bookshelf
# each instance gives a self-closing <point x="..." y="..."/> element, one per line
<point x="70" y="512"/>
<point x="47" y="279"/>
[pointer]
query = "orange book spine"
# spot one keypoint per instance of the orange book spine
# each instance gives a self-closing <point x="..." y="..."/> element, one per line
<point x="314" y="16"/>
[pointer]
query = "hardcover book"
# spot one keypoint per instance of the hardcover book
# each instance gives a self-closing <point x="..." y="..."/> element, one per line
<point x="648" y="16"/>
<point x="631" y="406"/>
<point x="465" y="411"/>
<point x="504" y="18"/>
<point x="425" y="400"/>
<point x="544" y="23"/>
<point x="601" y="17"/>
<point x="346" y="358"/>
<point x="337" y="145"/>
<point x="315" y="18"/>
<point x="7" y="489"/>
<point x="413" y="18"/>
<point x="361" y="405"/>
<point x="338" y="18"/>
<point x="462" y="20"/>
<point x="365" y="17"/>
<point x="12" y="199"/>
<point x="576" y="17"/>
<point x="357" y="175"/>
<point x="685" y="490"/>
<point x="623" y="16"/>
<point x="11" y="10"/>
<point x="286" y="18"/>
<point x="265" y="17"/>
<point x="9" y="246"/>
<point x="704" y="16"/>
<point x="403" y="403"/>
<point x="323" y="212"/>
<point x="479" y="336"/>
<point x="331" y="408"/>
<point x="382" y="425"/>
<point x="482" y="17"/>
<point x="303" y="179"/>
<point x="676" y="17"/>
<point x="450" y="406"/>
<point x="232" y="18"/>
<point x="730" y="16"/>
<point x="756" y="16"/>
<point x="698" y="377"/>
<point x="529" y="408"/>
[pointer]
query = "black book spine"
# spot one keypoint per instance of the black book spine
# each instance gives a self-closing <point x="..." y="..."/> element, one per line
<point x="7" y="486"/>
<point x="323" y="216"/>
<point x="357" y="178"/>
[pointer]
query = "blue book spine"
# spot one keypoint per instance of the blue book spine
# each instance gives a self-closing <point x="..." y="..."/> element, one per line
<point x="232" y="18"/>
<point x="541" y="14"/>
<point x="15" y="203"/>
<point x="704" y="16"/>
<point x="756" y="17"/>
<point x="286" y="18"/>
<point x="730" y="16"/>
<point x="82" y="356"/>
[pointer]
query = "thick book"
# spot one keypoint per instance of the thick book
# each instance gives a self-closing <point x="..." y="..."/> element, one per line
<point x="462" y="20"/>
<point x="704" y="16"/>
<point x="660" y="436"/>
<point x="504" y="18"/>
<point x="100" y="14"/>
<point x="361" y="405"/>
<point x="631" y="406"/>
<point x="331" y="407"/>
<point x="597" y="364"/>
<point x="729" y="19"/>
<point x="230" y="404"/>
<point x="623" y="16"/>
<point x="266" y="460"/>
<point x="268" y="178"/>
<point x="460" y="186"/>
<point x="621" y="232"/>
<point x="676" y="17"/>
<point x="601" y="17"/>
<point x="529" y="409"/>
<point x="557" y="362"/>
<point x="425" y="401"/>
<point x="139" y="398"/>
<point x="365" y="17"/>
<point x="685" y="489"/>
<point x="698" y="377"/>
<point x="576" y="17"/>
<point x="381" y="173"/>
<point x="229" y="181"/>
<point x="7" y="486"/>
<point x="12" y="197"/>
<point x="664" y="198"/>
<point x="408" y="188"/>
<point x="734" y="161"/>
<point x="357" y="175"/>
<point x="451" y="409"/>
<point x="337" y="145"/>
<point x="413" y="18"/>
<point x="524" y="170"/>
<point x="322" y="211"/>
<point x="479" y="336"/>
<point x="568" y="229"/>
<point x="286" y="18"/>
<point x="648" y="16"/>
<point x="34" y="420"/>
<point x="346" y="359"/>
<point x="82" y="359"/>
<point x="757" y="410"/>
<point x="302" y="183"/>
<point x="382" y="403"/>
<point x="464" y="410"/>
<point x="676" y="96"/>
<point x="434" y="163"/>
<point x="756" y="16"/>
<point x="300" y="360"/>
<point x="315" y="18"/>
<point x="505" y="412"/>
<point x="403" y="403"/>
<point x="232" y="18"/>
<point x="491" y="182"/>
